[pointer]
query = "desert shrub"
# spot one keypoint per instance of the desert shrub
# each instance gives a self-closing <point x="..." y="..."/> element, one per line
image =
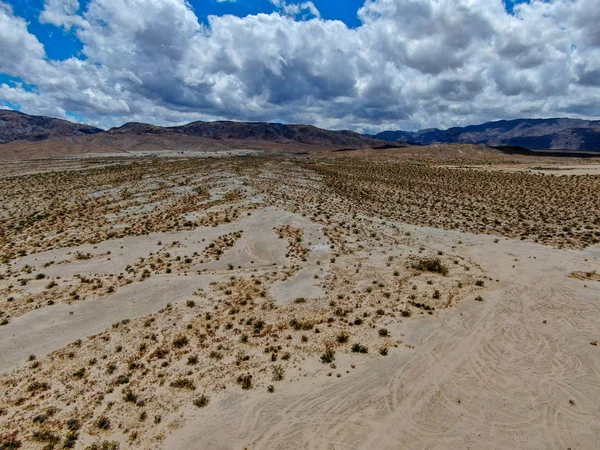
<point x="258" y="326"/>
<point x="183" y="383"/>
<point x="10" y="444"/>
<point x="40" y="418"/>
<point x="358" y="348"/>
<point x="46" y="437"/>
<point x="383" y="332"/>
<point x="159" y="353"/>
<point x="201" y="401"/>
<point x="431" y="265"/>
<point x="301" y="325"/>
<point x="103" y="423"/>
<point x="79" y="374"/>
<point x="105" y="445"/>
<point x="278" y="372"/>
<point x="71" y="439"/>
<point x="328" y="356"/>
<point x="245" y="381"/>
<point x="216" y="355"/>
<point x="38" y="386"/>
<point x="342" y="337"/>
<point x="180" y="341"/>
<point x="129" y="396"/>
<point x="73" y="424"/>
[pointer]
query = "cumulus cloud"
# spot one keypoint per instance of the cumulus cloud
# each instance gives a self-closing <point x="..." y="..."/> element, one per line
<point x="410" y="64"/>
<point x="62" y="13"/>
<point x="21" y="51"/>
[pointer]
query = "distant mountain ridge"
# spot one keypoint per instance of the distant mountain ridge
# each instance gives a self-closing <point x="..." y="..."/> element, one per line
<point x="255" y="131"/>
<point x="15" y="125"/>
<point x="534" y="134"/>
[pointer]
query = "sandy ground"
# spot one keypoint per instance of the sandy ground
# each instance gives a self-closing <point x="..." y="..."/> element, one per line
<point x="514" y="371"/>
<point x="47" y="329"/>
<point x="44" y="330"/>
<point x="544" y="169"/>
<point x="508" y="357"/>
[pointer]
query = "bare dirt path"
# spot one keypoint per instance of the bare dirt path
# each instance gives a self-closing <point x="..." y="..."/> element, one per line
<point x="514" y="371"/>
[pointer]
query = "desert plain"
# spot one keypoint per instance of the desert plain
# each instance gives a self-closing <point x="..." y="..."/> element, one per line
<point x="416" y="298"/>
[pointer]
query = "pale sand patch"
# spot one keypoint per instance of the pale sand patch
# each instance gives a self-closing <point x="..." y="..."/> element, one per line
<point x="44" y="330"/>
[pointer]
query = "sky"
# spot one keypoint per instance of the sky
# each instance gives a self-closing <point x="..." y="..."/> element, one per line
<point x="365" y="65"/>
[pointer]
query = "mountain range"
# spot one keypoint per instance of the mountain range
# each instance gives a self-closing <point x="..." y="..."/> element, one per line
<point x="15" y="125"/>
<point x="24" y="136"/>
<point x="533" y="134"/>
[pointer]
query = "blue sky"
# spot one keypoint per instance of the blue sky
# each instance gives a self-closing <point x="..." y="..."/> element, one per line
<point x="388" y="63"/>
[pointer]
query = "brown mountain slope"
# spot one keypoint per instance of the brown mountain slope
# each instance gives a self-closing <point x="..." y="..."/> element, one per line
<point x="256" y="132"/>
<point x="535" y="134"/>
<point x="23" y="137"/>
<point x="15" y="125"/>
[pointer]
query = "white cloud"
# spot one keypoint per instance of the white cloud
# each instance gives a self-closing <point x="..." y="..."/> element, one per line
<point x="62" y="13"/>
<point x="21" y="51"/>
<point x="412" y="63"/>
<point x="296" y="9"/>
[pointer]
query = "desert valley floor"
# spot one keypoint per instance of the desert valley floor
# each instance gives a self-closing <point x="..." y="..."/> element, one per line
<point x="334" y="301"/>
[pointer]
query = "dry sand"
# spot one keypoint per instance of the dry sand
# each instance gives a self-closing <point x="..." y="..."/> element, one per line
<point x="47" y="329"/>
<point x="514" y="371"/>
<point x="499" y="350"/>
